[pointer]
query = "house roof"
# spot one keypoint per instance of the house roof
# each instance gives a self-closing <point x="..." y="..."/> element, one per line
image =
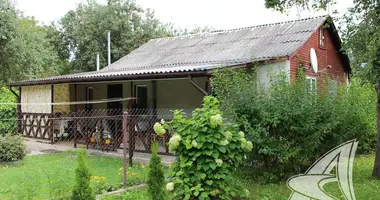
<point x="201" y="52"/>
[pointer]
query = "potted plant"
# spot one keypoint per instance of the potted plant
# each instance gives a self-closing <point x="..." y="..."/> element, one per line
<point x="92" y="139"/>
<point x="108" y="139"/>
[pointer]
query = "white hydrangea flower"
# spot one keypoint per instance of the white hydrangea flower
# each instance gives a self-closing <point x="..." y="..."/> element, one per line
<point x="170" y="186"/>
<point x="159" y="129"/>
<point x="248" y="146"/>
<point x="174" y="142"/>
<point x="228" y="135"/>
<point x="219" y="162"/>
<point x="216" y="120"/>
<point x="224" y="142"/>
<point x="241" y="134"/>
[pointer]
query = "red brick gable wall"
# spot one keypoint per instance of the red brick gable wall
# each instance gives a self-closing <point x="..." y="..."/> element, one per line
<point x="330" y="60"/>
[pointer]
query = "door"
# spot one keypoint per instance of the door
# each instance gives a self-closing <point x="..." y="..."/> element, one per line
<point x="114" y="92"/>
<point x="115" y="111"/>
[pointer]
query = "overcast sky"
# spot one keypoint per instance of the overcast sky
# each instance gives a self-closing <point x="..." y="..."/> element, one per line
<point x="219" y="14"/>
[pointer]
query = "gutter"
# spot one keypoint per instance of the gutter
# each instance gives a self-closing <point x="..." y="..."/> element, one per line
<point x="111" y="78"/>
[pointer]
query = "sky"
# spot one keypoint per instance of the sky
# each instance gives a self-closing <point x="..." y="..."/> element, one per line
<point x="218" y="14"/>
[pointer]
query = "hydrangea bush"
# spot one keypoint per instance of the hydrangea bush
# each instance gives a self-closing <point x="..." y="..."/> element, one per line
<point x="208" y="149"/>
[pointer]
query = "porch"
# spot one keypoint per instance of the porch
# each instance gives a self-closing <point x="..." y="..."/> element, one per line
<point x="92" y="114"/>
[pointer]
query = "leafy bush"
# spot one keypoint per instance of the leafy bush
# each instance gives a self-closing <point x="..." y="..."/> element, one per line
<point x="208" y="150"/>
<point x="156" y="176"/>
<point x="289" y="125"/>
<point x="12" y="148"/>
<point x="82" y="189"/>
<point x="8" y="113"/>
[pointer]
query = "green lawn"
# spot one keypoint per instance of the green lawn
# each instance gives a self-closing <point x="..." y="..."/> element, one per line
<point x="47" y="176"/>
<point x="366" y="188"/>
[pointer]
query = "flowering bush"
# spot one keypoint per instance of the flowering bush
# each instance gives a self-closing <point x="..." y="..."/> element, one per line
<point x="208" y="149"/>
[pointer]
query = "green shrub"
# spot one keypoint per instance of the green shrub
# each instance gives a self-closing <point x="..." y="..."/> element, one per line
<point x="156" y="176"/>
<point x="12" y="148"/>
<point x="8" y="113"/>
<point x="208" y="150"/>
<point x="291" y="126"/>
<point x="82" y="189"/>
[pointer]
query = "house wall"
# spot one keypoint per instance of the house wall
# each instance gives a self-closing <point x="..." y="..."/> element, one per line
<point x="267" y="72"/>
<point x="330" y="60"/>
<point x="180" y="94"/>
<point x="36" y="94"/>
<point x="173" y="94"/>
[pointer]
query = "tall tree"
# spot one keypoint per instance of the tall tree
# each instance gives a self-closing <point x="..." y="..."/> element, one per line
<point x="25" y="51"/>
<point x="85" y="30"/>
<point x="361" y="40"/>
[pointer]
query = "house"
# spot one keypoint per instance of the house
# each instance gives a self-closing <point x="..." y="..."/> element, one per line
<point x="175" y="72"/>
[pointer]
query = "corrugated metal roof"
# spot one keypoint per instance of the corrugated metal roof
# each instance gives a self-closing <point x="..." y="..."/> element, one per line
<point x="207" y="51"/>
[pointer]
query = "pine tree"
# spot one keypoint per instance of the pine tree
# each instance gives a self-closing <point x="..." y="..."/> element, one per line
<point x="82" y="189"/>
<point x="156" y="176"/>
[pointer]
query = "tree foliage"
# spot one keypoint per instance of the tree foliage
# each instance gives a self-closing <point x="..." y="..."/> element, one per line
<point x="361" y="42"/>
<point x="25" y="52"/>
<point x="85" y="30"/>
<point x="291" y="126"/>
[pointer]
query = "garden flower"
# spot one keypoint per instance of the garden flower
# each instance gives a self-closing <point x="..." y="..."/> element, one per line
<point x="246" y="192"/>
<point x="247" y="146"/>
<point x="170" y="186"/>
<point x="241" y="134"/>
<point x="224" y="142"/>
<point x="215" y="192"/>
<point x="158" y="129"/>
<point x="174" y="142"/>
<point x="219" y="162"/>
<point x="228" y="135"/>
<point x="216" y="120"/>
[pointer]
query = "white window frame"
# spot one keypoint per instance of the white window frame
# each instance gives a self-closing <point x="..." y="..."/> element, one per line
<point x="322" y="39"/>
<point x="310" y="80"/>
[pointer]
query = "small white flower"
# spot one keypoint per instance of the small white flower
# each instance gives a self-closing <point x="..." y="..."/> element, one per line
<point x="228" y="135"/>
<point x="241" y="134"/>
<point x="216" y="120"/>
<point x="224" y="142"/>
<point x="219" y="162"/>
<point x="162" y="121"/>
<point x="170" y="186"/>
<point x="158" y="129"/>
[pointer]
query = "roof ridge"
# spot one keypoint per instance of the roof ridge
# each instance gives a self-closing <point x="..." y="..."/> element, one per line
<point x="242" y="28"/>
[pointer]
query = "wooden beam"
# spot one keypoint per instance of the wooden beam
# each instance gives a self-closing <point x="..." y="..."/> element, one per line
<point x="197" y="86"/>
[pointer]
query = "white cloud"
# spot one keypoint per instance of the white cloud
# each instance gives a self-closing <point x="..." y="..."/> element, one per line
<point x="219" y="14"/>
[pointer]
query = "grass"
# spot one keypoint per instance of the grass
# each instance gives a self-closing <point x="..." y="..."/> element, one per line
<point x="52" y="175"/>
<point x="366" y="188"/>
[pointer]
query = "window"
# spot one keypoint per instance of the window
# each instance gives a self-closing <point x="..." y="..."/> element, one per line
<point x="89" y="97"/>
<point x="333" y="86"/>
<point x="312" y="83"/>
<point x="322" y="38"/>
<point x="142" y="96"/>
